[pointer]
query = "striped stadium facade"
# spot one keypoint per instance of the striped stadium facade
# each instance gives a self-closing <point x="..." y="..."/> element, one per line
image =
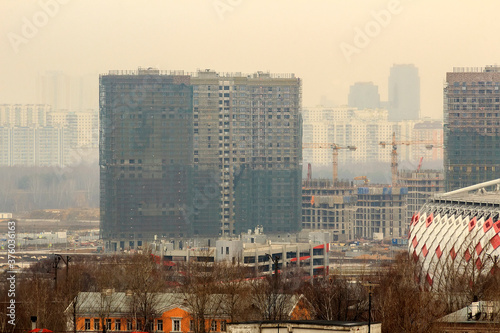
<point x="459" y="231"/>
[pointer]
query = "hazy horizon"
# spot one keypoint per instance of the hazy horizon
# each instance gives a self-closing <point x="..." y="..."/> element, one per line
<point x="318" y="41"/>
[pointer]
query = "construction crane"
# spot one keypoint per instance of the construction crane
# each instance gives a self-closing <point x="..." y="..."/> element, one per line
<point x="364" y="178"/>
<point x="420" y="164"/>
<point x="335" y="154"/>
<point x="309" y="175"/>
<point x="394" y="153"/>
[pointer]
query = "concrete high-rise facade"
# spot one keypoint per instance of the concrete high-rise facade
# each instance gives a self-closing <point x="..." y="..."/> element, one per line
<point x="205" y="154"/>
<point x="404" y="93"/>
<point x="248" y="140"/>
<point x="471" y="126"/>
<point x="364" y="95"/>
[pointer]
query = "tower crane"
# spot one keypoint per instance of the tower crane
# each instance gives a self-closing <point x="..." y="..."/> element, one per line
<point x="335" y="154"/>
<point x="394" y="153"/>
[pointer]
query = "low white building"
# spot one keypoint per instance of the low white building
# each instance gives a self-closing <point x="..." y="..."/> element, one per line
<point x="303" y="326"/>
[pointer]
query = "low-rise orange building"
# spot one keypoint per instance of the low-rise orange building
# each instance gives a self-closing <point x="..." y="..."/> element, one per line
<point x="111" y="311"/>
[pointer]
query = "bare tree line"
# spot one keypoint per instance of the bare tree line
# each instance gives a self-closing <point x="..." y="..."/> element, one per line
<point x="31" y="188"/>
<point x="232" y="293"/>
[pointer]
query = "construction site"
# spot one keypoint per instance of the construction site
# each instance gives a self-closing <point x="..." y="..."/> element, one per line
<point x="353" y="210"/>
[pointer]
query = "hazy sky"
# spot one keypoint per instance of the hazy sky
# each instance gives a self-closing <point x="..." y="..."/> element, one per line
<point x="303" y="37"/>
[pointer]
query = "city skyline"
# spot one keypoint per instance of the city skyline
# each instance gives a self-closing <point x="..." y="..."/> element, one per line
<point x="331" y="47"/>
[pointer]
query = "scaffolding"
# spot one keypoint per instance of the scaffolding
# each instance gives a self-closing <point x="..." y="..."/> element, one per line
<point x="471" y="126"/>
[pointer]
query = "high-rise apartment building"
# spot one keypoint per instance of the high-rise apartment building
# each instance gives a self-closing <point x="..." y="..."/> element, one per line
<point x="248" y="139"/>
<point x="35" y="146"/>
<point x="404" y="93"/>
<point x="471" y="126"/>
<point x="24" y="115"/>
<point x="146" y="156"/>
<point x="85" y="125"/>
<point x="207" y="154"/>
<point x="364" y="95"/>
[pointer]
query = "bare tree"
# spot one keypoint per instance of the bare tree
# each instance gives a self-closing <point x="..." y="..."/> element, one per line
<point x="400" y="303"/>
<point x="201" y="290"/>
<point x="334" y="298"/>
<point x="272" y="297"/>
<point x="144" y="285"/>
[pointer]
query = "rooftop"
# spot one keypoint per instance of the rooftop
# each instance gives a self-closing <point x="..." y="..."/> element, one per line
<point x="487" y="193"/>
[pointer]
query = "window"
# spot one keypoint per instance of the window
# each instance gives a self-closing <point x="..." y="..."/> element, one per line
<point x="96" y="325"/>
<point x="159" y="325"/>
<point x="118" y="325"/>
<point x="223" y="326"/>
<point x="129" y="325"/>
<point x="214" y="326"/>
<point x="191" y="325"/>
<point x="87" y="324"/>
<point x="176" y="325"/>
<point x="108" y="324"/>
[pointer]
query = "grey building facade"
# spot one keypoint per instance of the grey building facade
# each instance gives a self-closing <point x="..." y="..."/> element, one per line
<point x="364" y="95"/>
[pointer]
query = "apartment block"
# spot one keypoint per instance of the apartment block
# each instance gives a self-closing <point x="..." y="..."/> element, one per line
<point x="204" y="154"/>
<point x="471" y="126"/>
<point x="24" y="115"/>
<point x="247" y="140"/>
<point x="35" y="146"/>
<point x="85" y="124"/>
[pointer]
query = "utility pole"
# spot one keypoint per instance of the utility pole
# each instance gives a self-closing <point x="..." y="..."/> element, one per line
<point x="275" y="261"/>
<point x="58" y="259"/>
<point x="370" y="286"/>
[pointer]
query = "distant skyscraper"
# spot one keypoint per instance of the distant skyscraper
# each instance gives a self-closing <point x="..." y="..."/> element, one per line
<point x="404" y="93"/>
<point x="364" y="95"/>
<point x="471" y="126"/>
<point x="64" y="92"/>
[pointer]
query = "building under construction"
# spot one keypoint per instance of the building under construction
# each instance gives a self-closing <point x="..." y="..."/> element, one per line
<point x="471" y="126"/>
<point x="248" y="139"/>
<point x="381" y="212"/>
<point x="145" y="156"/>
<point x="352" y="212"/>
<point x="332" y="208"/>
<point x="422" y="185"/>
<point x="204" y="154"/>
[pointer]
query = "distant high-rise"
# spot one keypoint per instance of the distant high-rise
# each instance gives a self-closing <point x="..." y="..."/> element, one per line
<point x="471" y="126"/>
<point x="404" y="93"/>
<point x="64" y="92"/>
<point x="364" y="95"/>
